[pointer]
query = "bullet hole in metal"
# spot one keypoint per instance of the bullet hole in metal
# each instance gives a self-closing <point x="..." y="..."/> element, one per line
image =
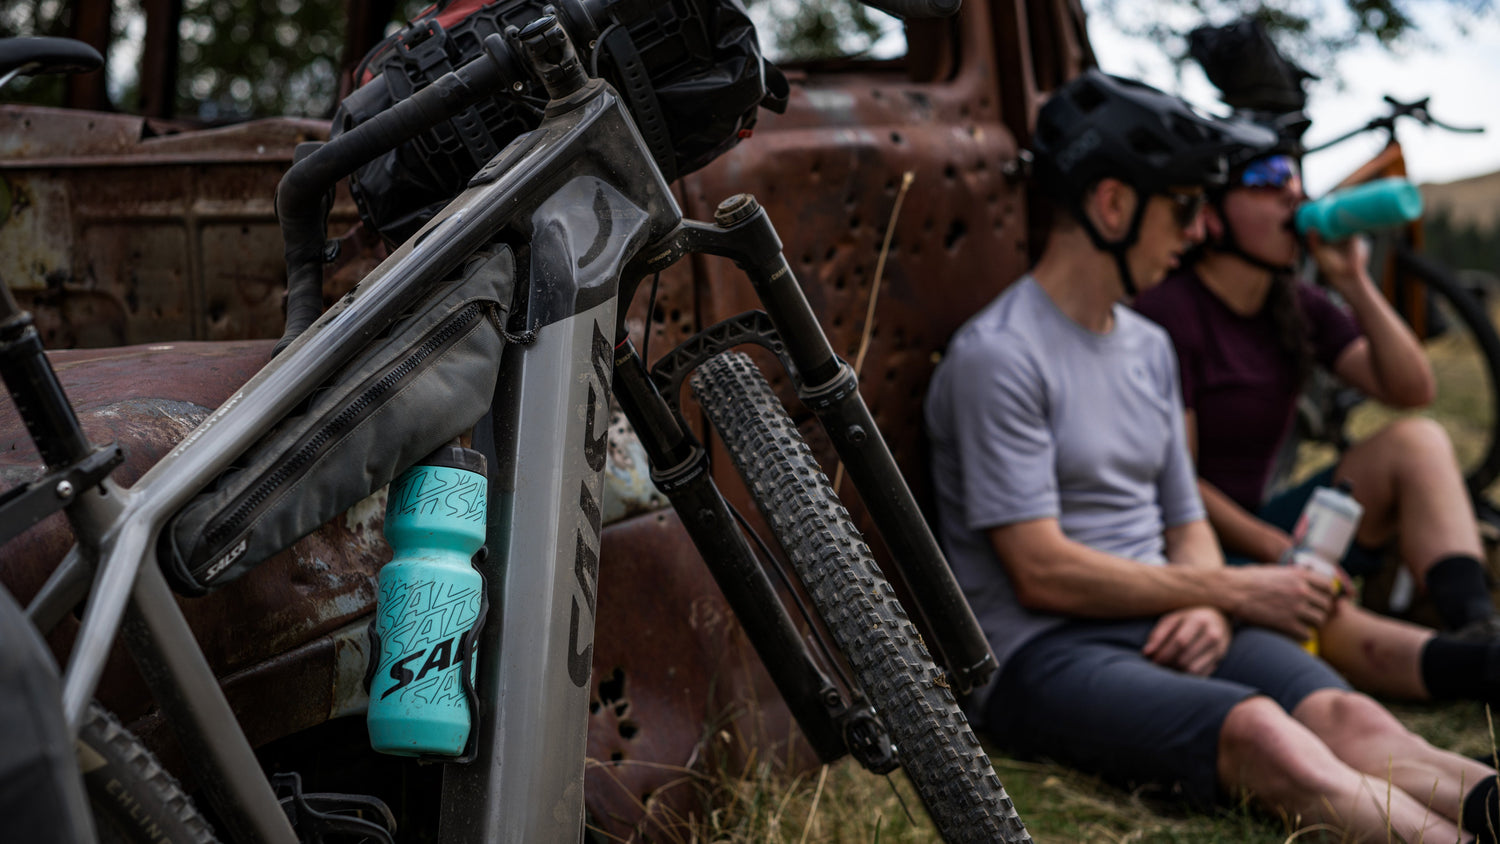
<point x="612" y="690"/>
<point x="956" y="232"/>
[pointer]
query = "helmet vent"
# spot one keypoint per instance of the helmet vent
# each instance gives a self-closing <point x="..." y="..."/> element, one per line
<point x="1088" y="97"/>
<point x="1188" y="130"/>
<point x="1146" y="142"/>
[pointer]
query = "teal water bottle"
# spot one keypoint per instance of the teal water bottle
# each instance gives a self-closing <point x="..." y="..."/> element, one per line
<point x="428" y="605"/>
<point x="1350" y="211"/>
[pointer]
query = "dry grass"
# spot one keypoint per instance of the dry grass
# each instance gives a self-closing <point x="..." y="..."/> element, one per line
<point x="843" y="804"/>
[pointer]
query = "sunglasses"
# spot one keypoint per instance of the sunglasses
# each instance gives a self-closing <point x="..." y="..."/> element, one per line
<point x="1185" y="206"/>
<point x="1271" y="172"/>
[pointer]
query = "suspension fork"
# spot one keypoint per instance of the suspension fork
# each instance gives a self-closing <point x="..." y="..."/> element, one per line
<point x="830" y="389"/>
<point x="681" y="473"/>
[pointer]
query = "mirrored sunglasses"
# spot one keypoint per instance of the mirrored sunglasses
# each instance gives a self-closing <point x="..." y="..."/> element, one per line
<point x="1270" y="172"/>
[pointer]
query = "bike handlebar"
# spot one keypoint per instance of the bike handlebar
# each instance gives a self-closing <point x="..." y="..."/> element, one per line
<point x="1416" y="110"/>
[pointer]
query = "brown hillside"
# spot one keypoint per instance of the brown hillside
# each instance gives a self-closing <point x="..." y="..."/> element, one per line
<point x="1474" y="201"/>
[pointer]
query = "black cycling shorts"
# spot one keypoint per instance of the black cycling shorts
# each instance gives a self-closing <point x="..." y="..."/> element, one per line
<point x="1084" y="695"/>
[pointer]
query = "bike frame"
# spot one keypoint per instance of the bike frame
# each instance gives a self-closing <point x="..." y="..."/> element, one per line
<point x="581" y="195"/>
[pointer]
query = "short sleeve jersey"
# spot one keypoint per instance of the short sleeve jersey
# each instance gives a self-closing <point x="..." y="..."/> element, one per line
<point x="1235" y="378"/>
<point x="1032" y="416"/>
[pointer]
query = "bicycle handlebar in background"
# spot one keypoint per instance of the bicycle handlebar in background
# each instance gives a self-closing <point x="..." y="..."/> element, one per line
<point x="1416" y="110"/>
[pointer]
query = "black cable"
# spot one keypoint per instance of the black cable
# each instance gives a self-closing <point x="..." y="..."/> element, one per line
<point x="650" y="318"/>
<point x="599" y="48"/>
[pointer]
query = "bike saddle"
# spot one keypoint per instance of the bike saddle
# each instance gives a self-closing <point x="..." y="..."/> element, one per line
<point x="36" y="56"/>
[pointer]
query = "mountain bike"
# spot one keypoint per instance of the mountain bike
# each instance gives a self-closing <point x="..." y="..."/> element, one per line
<point x="504" y="315"/>
<point x="1453" y="320"/>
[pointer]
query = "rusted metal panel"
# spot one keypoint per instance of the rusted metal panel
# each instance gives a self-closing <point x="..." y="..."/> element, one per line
<point x="116" y="238"/>
<point x="675" y="685"/>
<point x="147" y="399"/>
<point x="829" y="172"/>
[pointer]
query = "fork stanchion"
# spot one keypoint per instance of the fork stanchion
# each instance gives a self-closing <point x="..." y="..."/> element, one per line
<point x="830" y="389"/>
<point x="812" y="698"/>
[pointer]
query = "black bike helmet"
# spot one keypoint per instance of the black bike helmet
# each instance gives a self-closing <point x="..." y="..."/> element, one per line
<point x="1099" y="126"/>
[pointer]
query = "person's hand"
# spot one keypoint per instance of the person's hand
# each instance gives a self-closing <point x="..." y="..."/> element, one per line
<point x="1192" y="640"/>
<point x="1286" y="599"/>
<point x="1345" y="263"/>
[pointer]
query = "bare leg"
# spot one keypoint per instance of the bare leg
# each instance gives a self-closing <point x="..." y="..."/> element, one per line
<point x="1369" y="739"/>
<point x="1409" y="482"/>
<point x="1377" y="654"/>
<point x="1286" y="767"/>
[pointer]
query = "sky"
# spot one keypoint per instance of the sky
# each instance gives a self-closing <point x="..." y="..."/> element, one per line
<point x="1460" y="71"/>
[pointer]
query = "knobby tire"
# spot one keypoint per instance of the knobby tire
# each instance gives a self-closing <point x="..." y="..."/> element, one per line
<point x="133" y="798"/>
<point x="936" y="746"/>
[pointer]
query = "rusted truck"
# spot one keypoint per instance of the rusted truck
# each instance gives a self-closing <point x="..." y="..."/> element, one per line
<point x="149" y="253"/>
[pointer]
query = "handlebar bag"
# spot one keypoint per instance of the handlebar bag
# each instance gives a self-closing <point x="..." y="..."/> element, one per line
<point x="690" y="71"/>
<point x="426" y="381"/>
<point x="1242" y="61"/>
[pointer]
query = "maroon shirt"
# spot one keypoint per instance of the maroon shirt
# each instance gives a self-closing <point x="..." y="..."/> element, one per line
<point x="1241" y="385"/>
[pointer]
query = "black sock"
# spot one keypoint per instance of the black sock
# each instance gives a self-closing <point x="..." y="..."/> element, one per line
<point x="1460" y="591"/>
<point x="1457" y="670"/>
<point x="1481" y="812"/>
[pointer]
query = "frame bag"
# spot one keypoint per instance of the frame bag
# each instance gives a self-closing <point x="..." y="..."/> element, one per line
<point x="426" y="381"/>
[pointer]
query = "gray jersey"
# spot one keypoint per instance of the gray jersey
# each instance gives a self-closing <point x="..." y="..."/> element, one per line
<point x="1032" y="416"/>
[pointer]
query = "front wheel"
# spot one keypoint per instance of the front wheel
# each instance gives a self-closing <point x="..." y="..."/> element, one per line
<point x="938" y="749"/>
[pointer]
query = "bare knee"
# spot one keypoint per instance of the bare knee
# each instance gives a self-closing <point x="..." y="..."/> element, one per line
<point x="1269" y="754"/>
<point x="1415" y="442"/>
<point x="1352" y="726"/>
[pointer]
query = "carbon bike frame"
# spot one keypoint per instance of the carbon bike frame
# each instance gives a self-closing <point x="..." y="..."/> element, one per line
<point x="581" y="196"/>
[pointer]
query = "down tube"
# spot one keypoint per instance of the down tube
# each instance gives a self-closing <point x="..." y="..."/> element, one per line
<point x="536" y="656"/>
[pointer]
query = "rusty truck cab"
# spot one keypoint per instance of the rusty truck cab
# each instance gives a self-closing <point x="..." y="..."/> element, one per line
<point x="148" y="250"/>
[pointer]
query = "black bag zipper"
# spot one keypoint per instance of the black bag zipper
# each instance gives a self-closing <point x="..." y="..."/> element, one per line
<point x="447" y="333"/>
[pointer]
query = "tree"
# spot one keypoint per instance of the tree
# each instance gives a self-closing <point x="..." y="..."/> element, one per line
<point x="247" y="58"/>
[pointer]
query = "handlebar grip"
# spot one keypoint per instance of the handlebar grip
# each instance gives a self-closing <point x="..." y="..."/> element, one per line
<point x="916" y="8"/>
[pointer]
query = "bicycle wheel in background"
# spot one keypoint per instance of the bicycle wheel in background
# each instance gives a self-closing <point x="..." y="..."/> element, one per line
<point x="133" y="798"/>
<point x="1464" y="351"/>
<point x="936" y="746"/>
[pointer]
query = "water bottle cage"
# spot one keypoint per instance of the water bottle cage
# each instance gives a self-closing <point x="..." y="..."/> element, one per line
<point x="467" y="644"/>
